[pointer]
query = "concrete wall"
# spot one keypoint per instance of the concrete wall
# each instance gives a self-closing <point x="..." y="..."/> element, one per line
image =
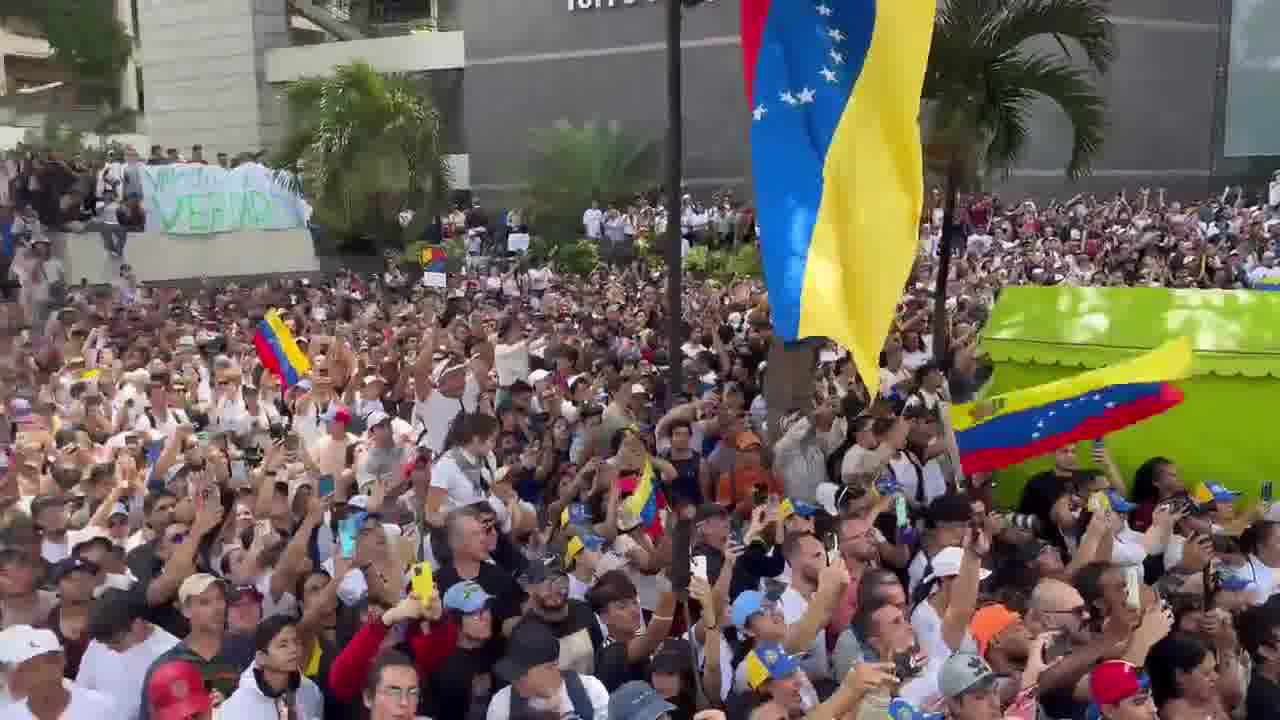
<point x="158" y="257"/>
<point x="205" y="75"/>
<point x="533" y="63"/>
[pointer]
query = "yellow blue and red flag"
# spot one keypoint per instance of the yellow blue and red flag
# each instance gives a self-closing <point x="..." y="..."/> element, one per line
<point x="279" y="352"/>
<point x="834" y="89"/>
<point x="1016" y="426"/>
<point x="645" y="499"/>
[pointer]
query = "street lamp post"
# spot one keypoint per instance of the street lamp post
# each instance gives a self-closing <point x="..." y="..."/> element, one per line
<point x="675" y="155"/>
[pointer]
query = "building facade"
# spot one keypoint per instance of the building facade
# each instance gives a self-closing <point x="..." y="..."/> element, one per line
<point x="503" y="68"/>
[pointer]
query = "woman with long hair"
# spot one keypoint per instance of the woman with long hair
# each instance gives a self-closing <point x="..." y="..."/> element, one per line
<point x="1184" y="679"/>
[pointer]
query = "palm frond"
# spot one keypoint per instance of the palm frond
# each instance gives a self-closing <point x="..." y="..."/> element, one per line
<point x="1071" y="89"/>
<point x="1084" y="21"/>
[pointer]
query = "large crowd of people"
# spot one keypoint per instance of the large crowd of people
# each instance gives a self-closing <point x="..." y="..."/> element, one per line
<point x="485" y="502"/>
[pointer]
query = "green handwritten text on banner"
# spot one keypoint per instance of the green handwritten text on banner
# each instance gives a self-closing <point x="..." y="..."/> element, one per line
<point x="191" y="199"/>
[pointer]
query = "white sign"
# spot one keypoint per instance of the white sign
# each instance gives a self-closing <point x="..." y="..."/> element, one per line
<point x="518" y="242"/>
<point x="195" y="199"/>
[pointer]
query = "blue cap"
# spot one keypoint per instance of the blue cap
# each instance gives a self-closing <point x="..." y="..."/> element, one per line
<point x="767" y="662"/>
<point x="466" y="597"/>
<point x="1119" y="503"/>
<point x="748" y="603"/>
<point x="1220" y="492"/>
<point x="888" y="485"/>
<point x="637" y="700"/>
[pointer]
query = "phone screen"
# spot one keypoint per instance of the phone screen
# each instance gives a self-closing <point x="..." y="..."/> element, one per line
<point x="324" y="485"/>
<point x="698" y="566"/>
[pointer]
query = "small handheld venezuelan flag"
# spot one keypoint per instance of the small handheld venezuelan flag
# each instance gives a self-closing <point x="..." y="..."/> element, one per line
<point x="834" y="92"/>
<point x="1016" y="426"/>
<point x="279" y="352"/>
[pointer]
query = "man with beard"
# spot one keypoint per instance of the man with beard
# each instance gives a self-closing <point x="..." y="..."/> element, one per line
<point x="571" y="621"/>
<point x="274" y="687"/>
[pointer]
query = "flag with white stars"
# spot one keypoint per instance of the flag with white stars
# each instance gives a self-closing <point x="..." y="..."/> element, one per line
<point x="1007" y="429"/>
<point x="833" y="88"/>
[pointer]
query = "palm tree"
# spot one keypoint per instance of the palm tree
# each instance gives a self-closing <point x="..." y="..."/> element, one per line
<point x="986" y="68"/>
<point x="570" y="167"/>
<point x="364" y="143"/>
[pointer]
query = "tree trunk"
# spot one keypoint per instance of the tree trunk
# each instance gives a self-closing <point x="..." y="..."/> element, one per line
<point x="941" y="341"/>
<point x="789" y="380"/>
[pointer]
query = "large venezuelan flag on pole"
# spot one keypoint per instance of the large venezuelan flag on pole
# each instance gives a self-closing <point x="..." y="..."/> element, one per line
<point x="279" y="352"/>
<point x="834" y="88"/>
<point x="1010" y="428"/>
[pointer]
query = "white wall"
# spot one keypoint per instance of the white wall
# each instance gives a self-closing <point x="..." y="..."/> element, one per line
<point x="429" y="50"/>
<point x="158" y="256"/>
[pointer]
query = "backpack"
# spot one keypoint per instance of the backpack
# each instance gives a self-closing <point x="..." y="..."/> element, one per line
<point x="582" y="708"/>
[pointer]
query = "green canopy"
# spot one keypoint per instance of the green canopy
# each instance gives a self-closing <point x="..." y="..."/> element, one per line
<point x="1221" y="433"/>
<point x="1234" y="332"/>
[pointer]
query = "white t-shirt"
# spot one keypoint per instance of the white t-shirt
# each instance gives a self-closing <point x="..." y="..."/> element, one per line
<point x="52" y="552"/>
<point x="120" y="675"/>
<point x="85" y="704"/>
<point x="1264" y="580"/>
<point x="511" y="362"/>
<point x="814" y="662"/>
<point x="561" y="706"/>
<point x="437" y="412"/>
<point x="928" y="627"/>
<point x="448" y="476"/>
<point x="539" y="278"/>
<point x="593" y="221"/>
<point x="37" y="282"/>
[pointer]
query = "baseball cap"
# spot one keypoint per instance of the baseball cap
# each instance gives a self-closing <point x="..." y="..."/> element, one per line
<point x="578" y="543"/>
<point x="176" y="691"/>
<point x="1220" y="492"/>
<point x="338" y="413"/>
<point x="538" y="376"/>
<point x="947" y="564"/>
<point x="963" y="672"/>
<point x="466" y="597"/>
<point x="20" y="643"/>
<point x="988" y="622"/>
<point x="195" y="585"/>
<point x="576" y="514"/>
<point x="66" y="566"/>
<point x="768" y="662"/>
<point x="789" y="508"/>
<point x="359" y="501"/>
<point x="1115" y="681"/>
<point x="1119" y="503"/>
<point x="541" y="570"/>
<point x="376" y="418"/>
<point x="747" y="604"/>
<point x="637" y="700"/>
<point x="531" y="644"/>
<point x="370" y="379"/>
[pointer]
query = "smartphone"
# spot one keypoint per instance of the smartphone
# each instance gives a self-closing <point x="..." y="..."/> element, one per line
<point x="1132" y="583"/>
<point x="900" y="511"/>
<point x="698" y="567"/>
<point x="423" y="582"/>
<point x="1098" y="503"/>
<point x="348" y="531"/>
<point x="831" y="542"/>
<point x="325" y="485"/>
<point x="1267" y="489"/>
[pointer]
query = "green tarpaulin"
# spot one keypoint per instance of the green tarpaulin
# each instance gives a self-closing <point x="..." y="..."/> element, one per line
<point x="1223" y="432"/>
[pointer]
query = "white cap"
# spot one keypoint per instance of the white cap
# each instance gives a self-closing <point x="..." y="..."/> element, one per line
<point x="538" y="376"/>
<point x="637" y="388"/>
<point x="947" y="564"/>
<point x="359" y="501"/>
<point x="20" y="643"/>
<point x="377" y="417"/>
<point x="195" y="585"/>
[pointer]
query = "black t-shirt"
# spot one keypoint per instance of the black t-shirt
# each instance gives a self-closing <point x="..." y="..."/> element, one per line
<point x="450" y="687"/>
<point x="145" y="566"/>
<point x="508" y="595"/>
<point x="1263" y="698"/>
<point x="613" y="669"/>
<point x="1060" y="705"/>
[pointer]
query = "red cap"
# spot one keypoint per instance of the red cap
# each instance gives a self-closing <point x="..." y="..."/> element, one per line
<point x="1114" y="681"/>
<point x="176" y="691"/>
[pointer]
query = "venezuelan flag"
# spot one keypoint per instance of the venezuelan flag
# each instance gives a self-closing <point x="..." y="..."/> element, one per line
<point x="834" y="88"/>
<point x="279" y="352"/>
<point x="1010" y="428"/>
<point x="645" y="500"/>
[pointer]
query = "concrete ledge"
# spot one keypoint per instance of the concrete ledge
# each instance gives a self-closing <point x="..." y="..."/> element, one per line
<point x="436" y="50"/>
<point x="158" y="257"/>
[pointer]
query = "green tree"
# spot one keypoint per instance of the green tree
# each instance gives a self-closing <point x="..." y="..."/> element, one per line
<point x="85" y="35"/>
<point x="570" y="167"/>
<point x="991" y="60"/>
<point x="366" y="145"/>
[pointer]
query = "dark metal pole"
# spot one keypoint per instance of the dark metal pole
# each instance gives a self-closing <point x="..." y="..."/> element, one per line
<point x="941" y="340"/>
<point x="675" y="155"/>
